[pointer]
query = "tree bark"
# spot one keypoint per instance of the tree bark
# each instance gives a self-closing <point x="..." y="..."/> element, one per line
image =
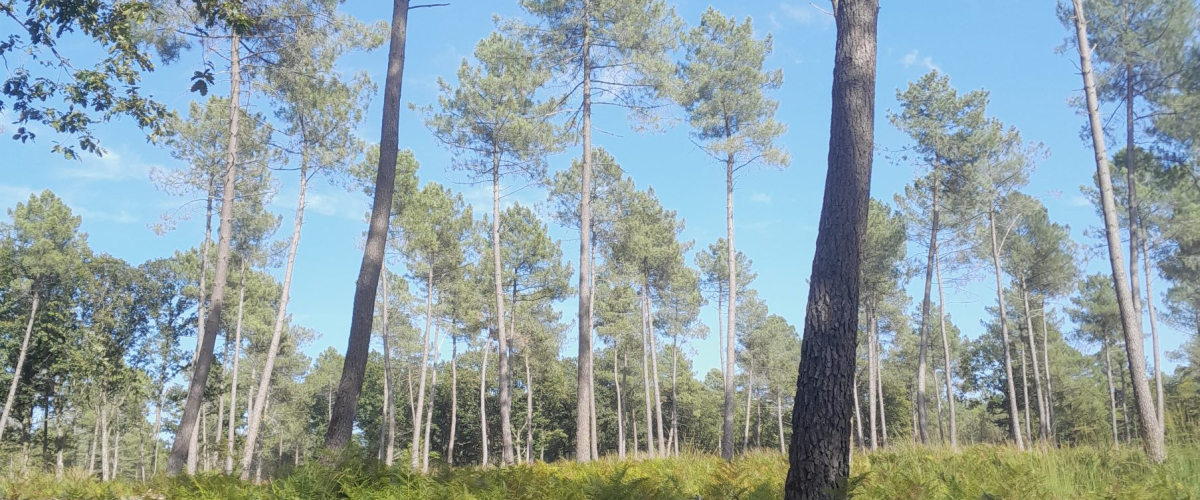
<point x="879" y="380"/>
<point x="779" y="415"/>
<point x="858" y="426"/>
<point x="528" y="409"/>
<point x="583" y="406"/>
<point x="105" y="464"/>
<point x="949" y="372"/>
<point x="12" y="387"/>
<point x="674" y="396"/>
<point x="453" y="399"/>
<point x="1043" y="418"/>
<point x="420" y="408"/>
<point x="183" y="447"/>
<point x="923" y="348"/>
<point x="237" y="347"/>
<point x="938" y="399"/>
<point x="429" y="415"/>
<point x="354" y="368"/>
<point x="264" y="383"/>
<point x="389" y="403"/>
<point x="1014" y="420"/>
<point x="620" y="402"/>
<point x="201" y="307"/>
<point x="1046" y="363"/>
<point x="1152" y="434"/>
<point x="487" y="341"/>
<point x="1025" y="399"/>
<point x="819" y="458"/>
<point x="872" y="373"/>
<point x="650" y="444"/>
<point x="1158" y="380"/>
<point x="658" y="411"/>
<point x="731" y="316"/>
<point x="1112" y="395"/>
<point x="506" y="442"/>
<point x="749" y="393"/>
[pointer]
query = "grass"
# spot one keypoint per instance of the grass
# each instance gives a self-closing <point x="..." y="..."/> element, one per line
<point x="979" y="472"/>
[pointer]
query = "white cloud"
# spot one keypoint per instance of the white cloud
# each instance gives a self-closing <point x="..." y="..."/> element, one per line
<point x="799" y="14"/>
<point x="1080" y="200"/>
<point x="914" y="58"/>
<point x="762" y="198"/>
<point x="334" y="204"/>
<point x="110" y="167"/>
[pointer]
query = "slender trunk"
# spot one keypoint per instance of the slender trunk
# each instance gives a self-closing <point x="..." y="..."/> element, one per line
<point x="949" y="372"/>
<point x="233" y="384"/>
<point x="116" y="458"/>
<point x="277" y="332"/>
<point x="528" y="409"/>
<point x="749" y="393"/>
<point x="420" y="408"/>
<point x="201" y="307"/>
<point x="731" y="316"/>
<point x="354" y="367"/>
<point x="1014" y="420"/>
<point x="872" y="373"/>
<point x="12" y="387"/>
<point x="646" y="372"/>
<point x="185" y="435"/>
<point x="105" y="466"/>
<point x="636" y="446"/>
<point x="506" y="442"/>
<point x="819" y="457"/>
<point x="658" y="412"/>
<point x="453" y="398"/>
<point x="1025" y="399"/>
<point x="779" y="416"/>
<point x="1046" y="363"/>
<point x="1043" y="419"/>
<point x="674" y="396"/>
<point x="583" y="406"/>
<point x="429" y="412"/>
<point x="1158" y="380"/>
<point x="162" y="388"/>
<point x="92" y="447"/>
<point x="1112" y="395"/>
<point x="1135" y="222"/>
<point x="389" y="399"/>
<point x="858" y="413"/>
<point x="926" y="326"/>
<point x="938" y="399"/>
<point x="879" y="387"/>
<point x="594" y="439"/>
<point x="1152" y="434"/>
<point x="483" y="400"/>
<point x="59" y="439"/>
<point x="620" y="403"/>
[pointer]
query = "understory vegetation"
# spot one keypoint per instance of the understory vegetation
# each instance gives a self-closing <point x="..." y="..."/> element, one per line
<point x="976" y="472"/>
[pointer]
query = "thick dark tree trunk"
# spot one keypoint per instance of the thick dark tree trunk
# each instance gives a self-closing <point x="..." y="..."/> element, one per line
<point x="819" y="457"/>
<point x="341" y="425"/>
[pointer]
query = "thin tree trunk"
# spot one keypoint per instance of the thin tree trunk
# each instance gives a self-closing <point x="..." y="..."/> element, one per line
<point x="429" y="415"/>
<point x="201" y="307"/>
<point x="354" y="367"/>
<point x="92" y="447"/>
<point x="1025" y="399"/>
<point x="949" y="372"/>
<point x="819" y="457"/>
<point x="1112" y="395"/>
<point x="12" y="387"/>
<point x="872" y="373"/>
<point x="528" y="409"/>
<point x="1152" y="434"/>
<point x="749" y="393"/>
<point x="453" y="398"/>
<point x="858" y="413"/>
<point x="658" y="412"/>
<point x="1135" y="222"/>
<point x="389" y="399"/>
<point x="583" y="405"/>
<point x="116" y="459"/>
<point x="260" y="404"/>
<point x="1014" y="420"/>
<point x="483" y="400"/>
<point x="594" y="439"/>
<point x="105" y="466"/>
<point x="779" y="415"/>
<point x="506" y="442"/>
<point x="620" y="403"/>
<point x="926" y="326"/>
<point x="938" y="399"/>
<point x="237" y="347"/>
<point x="59" y="439"/>
<point x="879" y="380"/>
<point x="731" y="316"/>
<point x="1158" y="380"/>
<point x="674" y="396"/>
<point x="1049" y="384"/>
<point x="185" y="435"/>
<point x="420" y="408"/>
<point x="1043" y="419"/>
<point x="646" y="373"/>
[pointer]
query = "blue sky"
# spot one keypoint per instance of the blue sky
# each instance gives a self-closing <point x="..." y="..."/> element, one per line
<point x="1005" y="47"/>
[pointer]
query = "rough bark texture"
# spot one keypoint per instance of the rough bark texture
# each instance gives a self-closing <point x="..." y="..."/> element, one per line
<point x="345" y="408"/>
<point x="730" y="329"/>
<point x="1152" y="433"/>
<point x="819" y="457"/>
<point x="191" y="410"/>
<point x="583" y="407"/>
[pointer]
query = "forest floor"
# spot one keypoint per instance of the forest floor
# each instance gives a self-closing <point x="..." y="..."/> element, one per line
<point x="977" y="472"/>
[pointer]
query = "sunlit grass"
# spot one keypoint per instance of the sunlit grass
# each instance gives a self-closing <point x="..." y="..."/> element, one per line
<point x="978" y="472"/>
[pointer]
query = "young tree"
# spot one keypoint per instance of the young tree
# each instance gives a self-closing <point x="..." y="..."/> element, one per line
<point x="578" y="40"/>
<point x="497" y="127"/>
<point x="1096" y="314"/>
<point x="819" y="456"/>
<point x="724" y="93"/>
<point x="881" y="273"/>
<point x="1151" y="431"/>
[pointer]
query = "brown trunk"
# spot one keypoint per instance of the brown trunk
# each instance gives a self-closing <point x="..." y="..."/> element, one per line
<point x="506" y="442"/>
<point x="1014" y="420"/>
<point x="1025" y="399"/>
<point x="946" y="354"/>
<point x="201" y="307"/>
<point x="674" y="396"/>
<point x="1152" y="434"/>
<point x="749" y="393"/>
<point x="583" y="406"/>
<point x="819" y="457"/>
<point x="354" y="367"/>
<point x="185" y="437"/>
<point x="879" y="380"/>
<point x="12" y="387"/>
